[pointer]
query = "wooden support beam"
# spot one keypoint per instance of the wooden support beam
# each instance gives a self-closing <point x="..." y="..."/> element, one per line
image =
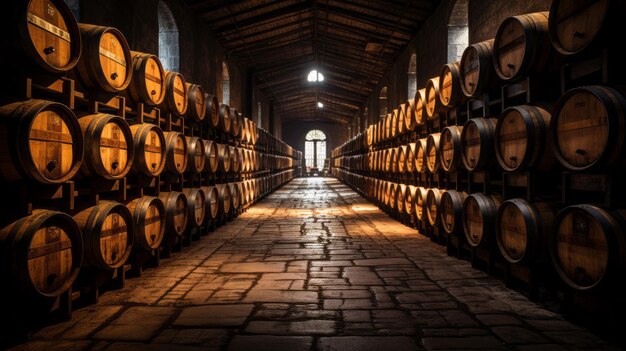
<point x="260" y="19"/>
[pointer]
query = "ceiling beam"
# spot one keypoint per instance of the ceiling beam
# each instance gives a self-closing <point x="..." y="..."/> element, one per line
<point x="261" y="19"/>
<point x="377" y="22"/>
<point x="244" y="38"/>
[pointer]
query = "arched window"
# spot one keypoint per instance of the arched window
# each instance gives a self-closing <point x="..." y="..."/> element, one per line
<point x="225" y="84"/>
<point x="382" y="102"/>
<point x="259" y="113"/>
<point x="169" y="51"/>
<point x="412" y="75"/>
<point x="457" y="31"/>
<point x="315" y="149"/>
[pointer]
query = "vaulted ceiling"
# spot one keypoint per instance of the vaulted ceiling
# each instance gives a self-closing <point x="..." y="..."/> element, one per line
<point x="280" y="41"/>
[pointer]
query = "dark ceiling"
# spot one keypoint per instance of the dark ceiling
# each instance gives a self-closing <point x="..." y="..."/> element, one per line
<point x="282" y="40"/>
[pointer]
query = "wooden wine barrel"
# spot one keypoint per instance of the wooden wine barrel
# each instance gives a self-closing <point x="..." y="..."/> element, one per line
<point x="522" y="229"/>
<point x="390" y="198"/>
<point x="386" y="165"/>
<point x="477" y="143"/>
<point x="375" y="134"/>
<point x="522" y="47"/>
<point x="588" y="246"/>
<point x="450" y="147"/>
<point x="402" y="158"/>
<point x="108" y="234"/>
<point x="410" y="157"/>
<point x="391" y="124"/>
<point x="420" y="114"/>
<point x="433" y="155"/>
<point x="196" y="157"/>
<point x="582" y="26"/>
<point x="147" y="83"/>
<point x="450" y="91"/>
<point x="212" y="111"/>
<point x="245" y="130"/>
<point x="479" y="218"/>
<point x="381" y="130"/>
<point x="176" y="151"/>
<point x="400" y="198"/>
<point x="255" y="189"/>
<point x="420" y="204"/>
<point x="176" y="213"/>
<point x="433" y="98"/>
<point x="41" y="254"/>
<point x="149" y="149"/>
<point x="395" y="156"/>
<point x="376" y="160"/>
<point x="409" y="199"/>
<point x="225" y="116"/>
<point x="253" y="133"/>
<point x="451" y="211"/>
<point x="420" y="156"/>
<point x="108" y="146"/>
<point x="245" y="159"/>
<point x="383" y="187"/>
<point x="234" y="122"/>
<point x="477" y="72"/>
<point x="105" y="63"/>
<point x="196" y="205"/>
<point x="588" y="127"/>
<point x="237" y="125"/>
<point x="211" y="152"/>
<point x="176" y="99"/>
<point x="401" y="127"/>
<point x="409" y="115"/>
<point x="40" y="35"/>
<point x="521" y="139"/>
<point x="41" y="141"/>
<point x="235" y="160"/>
<point x="224" y="199"/>
<point x="212" y="199"/>
<point x="258" y="160"/>
<point x="235" y="196"/>
<point x="148" y="222"/>
<point x="370" y="135"/>
<point x="245" y="192"/>
<point x="433" y="206"/>
<point x="197" y="102"/>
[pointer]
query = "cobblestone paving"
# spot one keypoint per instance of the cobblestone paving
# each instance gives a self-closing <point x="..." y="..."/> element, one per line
<point x="314" y="266"/>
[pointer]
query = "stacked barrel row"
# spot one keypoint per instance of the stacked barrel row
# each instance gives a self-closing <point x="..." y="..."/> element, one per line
<point x="492" y="151"/>
<point x="109" y="155"/>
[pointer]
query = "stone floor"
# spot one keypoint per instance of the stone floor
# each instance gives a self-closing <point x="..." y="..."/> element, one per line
<point x="314" y="266"/>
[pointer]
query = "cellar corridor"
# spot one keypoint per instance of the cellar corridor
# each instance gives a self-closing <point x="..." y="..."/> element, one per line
<point x="314" y="266"/>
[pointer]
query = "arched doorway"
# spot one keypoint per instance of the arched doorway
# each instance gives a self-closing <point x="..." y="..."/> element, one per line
<point x="315" y="149"/>
<point x="169" y="51"/>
